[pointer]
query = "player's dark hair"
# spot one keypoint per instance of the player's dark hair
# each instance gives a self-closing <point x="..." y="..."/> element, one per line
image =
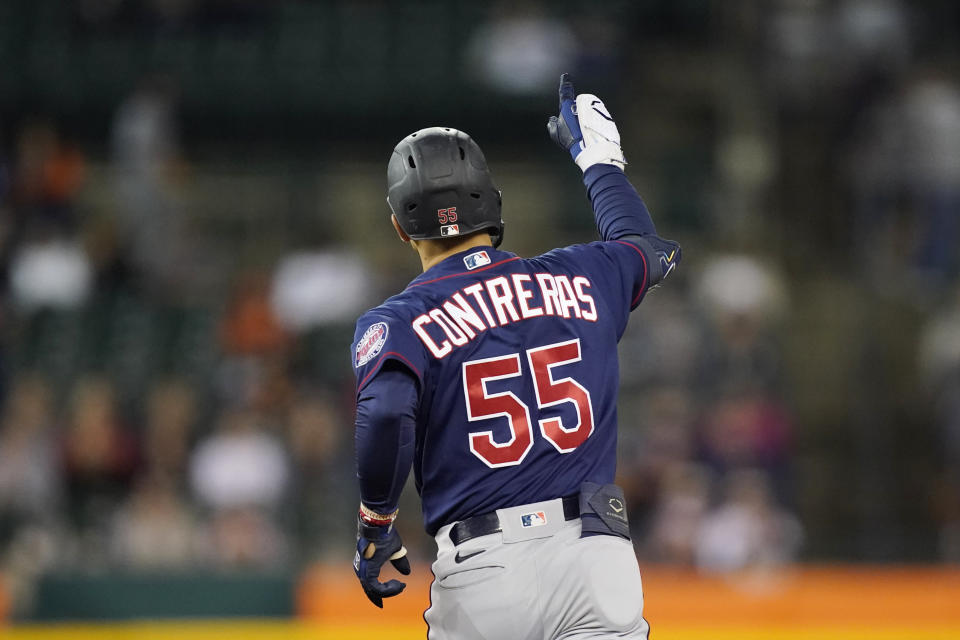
<point x="439" y="186"/>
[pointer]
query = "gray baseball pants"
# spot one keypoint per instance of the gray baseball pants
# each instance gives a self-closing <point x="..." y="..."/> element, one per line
<point x="535" y="581"/>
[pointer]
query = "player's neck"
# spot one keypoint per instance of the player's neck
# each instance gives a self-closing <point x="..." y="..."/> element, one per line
<point x="432" y="253"/>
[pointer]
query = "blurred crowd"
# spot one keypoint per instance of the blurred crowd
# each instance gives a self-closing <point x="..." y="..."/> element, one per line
<point x="202" y="415"/>
<point x="246" y="464"/>
<point x="239" y="463"/>
<point x="707" y="437"/>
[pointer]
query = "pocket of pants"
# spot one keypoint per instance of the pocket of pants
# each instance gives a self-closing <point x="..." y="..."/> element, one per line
<point x="467" y="577"/>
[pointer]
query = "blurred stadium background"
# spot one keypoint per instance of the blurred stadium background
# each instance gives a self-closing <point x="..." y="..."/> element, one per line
<point x="192" y="215"/>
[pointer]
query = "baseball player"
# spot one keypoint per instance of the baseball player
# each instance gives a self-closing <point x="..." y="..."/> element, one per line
<point x="495" y="377"/>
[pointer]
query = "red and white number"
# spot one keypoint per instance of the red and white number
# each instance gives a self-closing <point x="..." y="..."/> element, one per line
<point x="552" y="392"/>
<point x="447" y="215"/>
<point x="482" y="405"/>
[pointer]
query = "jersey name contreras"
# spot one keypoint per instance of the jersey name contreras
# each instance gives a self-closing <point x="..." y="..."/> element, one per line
<point x="500" y="301"/>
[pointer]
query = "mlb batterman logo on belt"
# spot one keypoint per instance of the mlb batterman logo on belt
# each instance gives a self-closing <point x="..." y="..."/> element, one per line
<point x="535" y="519"/>
<point x="371" y="343"/>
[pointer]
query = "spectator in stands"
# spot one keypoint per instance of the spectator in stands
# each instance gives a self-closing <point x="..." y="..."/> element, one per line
<point x="240" y="465"/>
<point x="49" y="172"/>
<point x="658" y="439"/>
<point x="748" y="530"/>
<point x="171" y="408"/>
<point x="249" y="326"/>
<point x="155" y="528"/>
<point x="321" y="472"/>
<point x="747" y="429"/>
<point x="147" y="170"/>
<point x="905" y="179"/>
<point x="744" y="299"/>
<point x="245" y="537"/>
<point x="744" y="423"/>
<point x="30" y="483"/>
<point x="254" y="346"/>
<point x="48" y="264"/>
<point x="100" y="456"/>
<point x="931" y="112"/>
<point x="664" y="348"/>
<point x="241" y="475"/>
<point x="683" y="502"/>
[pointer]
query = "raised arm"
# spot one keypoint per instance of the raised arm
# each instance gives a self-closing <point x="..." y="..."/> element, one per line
<point x="588" y="132"/>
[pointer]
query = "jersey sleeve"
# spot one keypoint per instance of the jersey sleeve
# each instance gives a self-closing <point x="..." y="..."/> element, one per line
<point x="382" y="337"/>
<point x="633" y="266"/>
<point x="619" y="269"/>
<point x="385" y="435"/>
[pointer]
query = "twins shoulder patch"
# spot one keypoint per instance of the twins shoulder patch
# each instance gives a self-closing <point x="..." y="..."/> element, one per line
<point x="371" y="343"/>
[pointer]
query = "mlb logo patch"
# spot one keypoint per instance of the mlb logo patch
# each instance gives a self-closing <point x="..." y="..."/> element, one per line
<point x="535" y="519"/>
<point x="371" y="343"/>
<point x="450" y="230"/>
<point x="478" y="259"/>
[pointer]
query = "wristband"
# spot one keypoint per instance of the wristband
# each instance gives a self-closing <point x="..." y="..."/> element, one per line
<point x="369" y="516"/>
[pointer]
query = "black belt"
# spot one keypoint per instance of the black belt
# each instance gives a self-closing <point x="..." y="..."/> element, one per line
<point x="487" y="523"/>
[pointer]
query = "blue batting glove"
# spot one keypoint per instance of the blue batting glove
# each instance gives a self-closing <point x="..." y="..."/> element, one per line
<point x="565" y="128"/>
<point x="376" y="544"/>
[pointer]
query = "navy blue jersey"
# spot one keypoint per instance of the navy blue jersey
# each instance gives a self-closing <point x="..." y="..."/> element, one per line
<point x="517" y="367"/>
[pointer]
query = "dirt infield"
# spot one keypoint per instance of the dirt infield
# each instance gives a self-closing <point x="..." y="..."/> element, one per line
<point x="263" y="630"/>
<point x="841" y="596"/>
<point x="811" y="603"/>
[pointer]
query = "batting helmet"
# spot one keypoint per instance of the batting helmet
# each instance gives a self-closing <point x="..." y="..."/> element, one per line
<point x="439" y="186"/>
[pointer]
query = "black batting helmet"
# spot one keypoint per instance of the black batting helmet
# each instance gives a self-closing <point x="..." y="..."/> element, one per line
<point x="439" y="186"/>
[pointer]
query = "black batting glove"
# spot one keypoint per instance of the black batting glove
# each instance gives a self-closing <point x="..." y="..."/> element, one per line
<point x="377" y="543"/>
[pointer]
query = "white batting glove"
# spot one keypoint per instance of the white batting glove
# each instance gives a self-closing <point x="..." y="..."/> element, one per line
<point x="601" y="139"/>
<point x="585" y="128"/>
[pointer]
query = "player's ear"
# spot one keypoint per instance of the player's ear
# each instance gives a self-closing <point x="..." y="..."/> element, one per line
<point x="400" y="232"/>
